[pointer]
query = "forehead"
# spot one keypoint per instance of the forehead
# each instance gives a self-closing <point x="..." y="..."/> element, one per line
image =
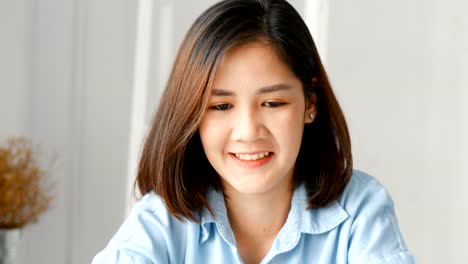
<point x="252" y="64"/>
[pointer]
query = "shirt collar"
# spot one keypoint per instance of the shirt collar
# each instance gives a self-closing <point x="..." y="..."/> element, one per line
<point x="300" y="219"/>
<point x="220" y="219"/>
<point x="316" y="221"/>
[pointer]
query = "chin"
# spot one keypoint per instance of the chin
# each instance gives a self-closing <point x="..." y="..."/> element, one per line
<point x="251" y="187"/>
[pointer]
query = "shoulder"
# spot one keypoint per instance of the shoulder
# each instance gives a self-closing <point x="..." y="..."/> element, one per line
<point x="365" y="199"/>
<point x="148" y="217"/>
<point x="145" y="235"/>
<point x="360" y="179"/>
<point x="361" y="189"/>
<point x="374" y="232"/>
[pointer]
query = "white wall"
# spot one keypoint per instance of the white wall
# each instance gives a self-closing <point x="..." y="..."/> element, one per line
<point x="399" y="68"/>
<point x="66" y="82"/>
<point x="104" y="85"/>
<point x="28" y="102"/>
<point x="15" y="51"/>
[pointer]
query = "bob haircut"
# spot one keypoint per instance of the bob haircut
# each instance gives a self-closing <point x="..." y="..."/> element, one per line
<point x="172" y="160"/>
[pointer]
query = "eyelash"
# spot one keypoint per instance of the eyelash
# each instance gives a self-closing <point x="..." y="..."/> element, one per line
<point x="273" y="104"/>
<point x="221" y="107"/>
<point x="225" y="107"/>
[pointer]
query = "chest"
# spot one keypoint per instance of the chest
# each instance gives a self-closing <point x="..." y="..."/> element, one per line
<point x="320" y="248"/>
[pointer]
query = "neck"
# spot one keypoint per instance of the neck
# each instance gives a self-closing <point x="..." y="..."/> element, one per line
<point x="258" y="216"/>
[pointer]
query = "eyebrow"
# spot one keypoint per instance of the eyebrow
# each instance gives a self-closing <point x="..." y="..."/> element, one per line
<point x="263" y="90"/>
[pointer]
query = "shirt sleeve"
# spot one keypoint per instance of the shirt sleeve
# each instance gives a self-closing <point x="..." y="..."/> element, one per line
<point x="140" y="239"/>
<point x="375" y="233"/>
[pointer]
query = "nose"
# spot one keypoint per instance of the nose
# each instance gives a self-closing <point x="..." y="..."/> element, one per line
<point x="248" y="126"/>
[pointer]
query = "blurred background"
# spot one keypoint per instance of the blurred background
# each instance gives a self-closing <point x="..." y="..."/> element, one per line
<point x="82" y="78"/>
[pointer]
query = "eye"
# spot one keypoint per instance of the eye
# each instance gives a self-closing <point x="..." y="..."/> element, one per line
<point x="221" y="107"/>
<point x="273" y="104"/>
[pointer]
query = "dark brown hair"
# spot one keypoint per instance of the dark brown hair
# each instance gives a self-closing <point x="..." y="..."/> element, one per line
<point x="173" y="163"/>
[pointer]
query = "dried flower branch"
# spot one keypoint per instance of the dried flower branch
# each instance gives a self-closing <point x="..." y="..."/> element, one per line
<point x="25" y="191"/>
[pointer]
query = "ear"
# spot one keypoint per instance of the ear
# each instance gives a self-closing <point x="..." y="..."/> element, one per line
<point x="311" y="109"/>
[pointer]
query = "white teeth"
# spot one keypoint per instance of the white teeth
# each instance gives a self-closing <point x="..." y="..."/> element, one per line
<point x="252" y="157"/>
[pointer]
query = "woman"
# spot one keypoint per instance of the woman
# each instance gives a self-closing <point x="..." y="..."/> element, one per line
<point x="248" y="159"/>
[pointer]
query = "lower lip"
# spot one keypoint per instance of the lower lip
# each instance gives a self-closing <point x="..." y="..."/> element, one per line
<point x="252" y="163"/>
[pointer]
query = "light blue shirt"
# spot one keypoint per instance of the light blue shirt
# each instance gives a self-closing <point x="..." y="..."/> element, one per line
<point x="360" y="227"/>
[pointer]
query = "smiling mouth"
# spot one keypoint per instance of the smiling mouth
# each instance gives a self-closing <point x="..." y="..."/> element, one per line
<point x="252" y="157"/>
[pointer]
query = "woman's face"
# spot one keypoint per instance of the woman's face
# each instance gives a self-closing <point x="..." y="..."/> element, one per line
<point x="252" y="130"/>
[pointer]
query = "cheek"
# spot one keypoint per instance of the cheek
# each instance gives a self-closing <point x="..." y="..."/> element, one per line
<point x="289" y="129"/>
<point x="211" y="134"/>
<point x="204" y="132"/>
